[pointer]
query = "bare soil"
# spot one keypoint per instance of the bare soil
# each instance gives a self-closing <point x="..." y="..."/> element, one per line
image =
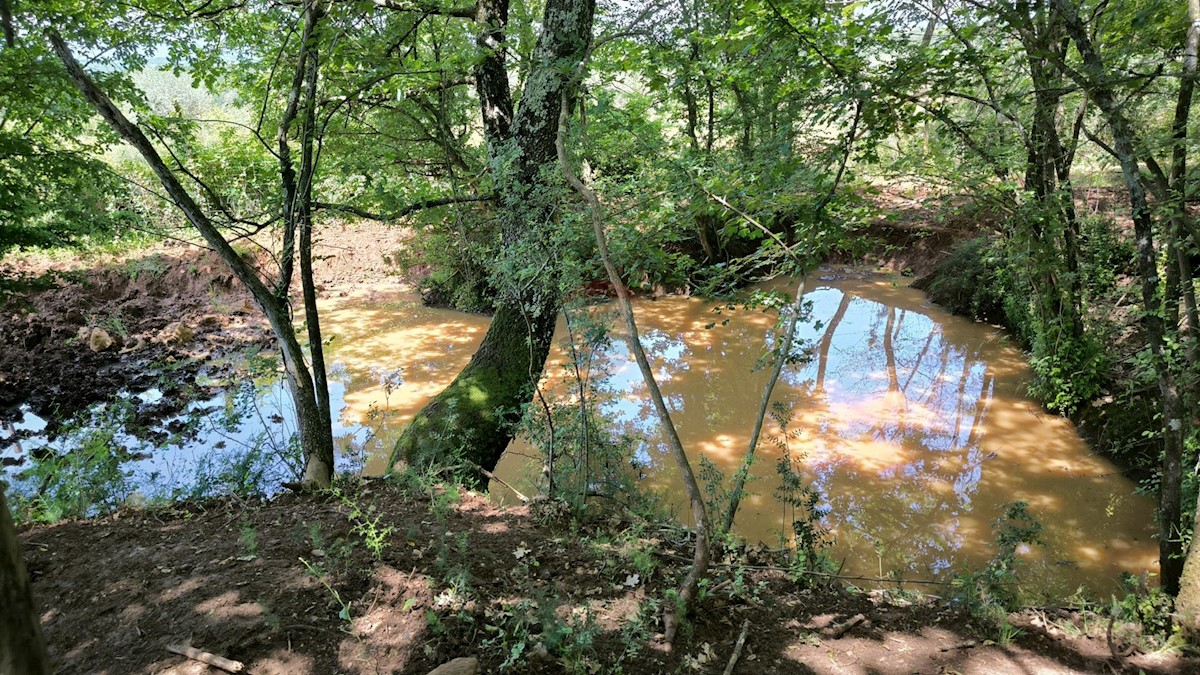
<point x="228" y="577"/>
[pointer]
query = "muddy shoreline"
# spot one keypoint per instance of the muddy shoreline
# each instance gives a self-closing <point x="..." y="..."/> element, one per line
<point x="78" y="330"/>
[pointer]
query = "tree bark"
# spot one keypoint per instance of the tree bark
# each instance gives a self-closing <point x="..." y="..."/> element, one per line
<point x="473" y="418"/>
<point x="1095" y="79"/>
<point x="1187" y="601"/>
<point x="491" y="74"/>
<point x="22" y="650"/>
<point x="316" y="439"/>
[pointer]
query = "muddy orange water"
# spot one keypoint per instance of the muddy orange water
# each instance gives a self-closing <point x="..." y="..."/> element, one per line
<point x="912" y="424"/>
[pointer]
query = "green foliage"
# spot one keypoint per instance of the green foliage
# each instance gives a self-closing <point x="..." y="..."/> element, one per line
<point x="86" y="476"/>
<point x="971" y="281"/>
<point x="367" y="523"/>
<point x="809" y="538"/>
<point x="1146" y="605"/>
<point x="344" y="607"/>
<point x="54" y="187"/>
<point x="990" y="594"/>
<point x="532" y="624"/>
<point x="1070" y="372"/>
<point x="716" y="494"/>
<point x="247" y="537"/>
<point x="590" y="458"/>
<point x="989" y="280"/>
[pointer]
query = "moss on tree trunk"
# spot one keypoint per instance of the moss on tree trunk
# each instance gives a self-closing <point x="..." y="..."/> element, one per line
<point x="472" y="418"/>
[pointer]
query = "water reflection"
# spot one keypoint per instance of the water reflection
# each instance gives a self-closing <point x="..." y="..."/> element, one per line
<point x="912" y="425"/>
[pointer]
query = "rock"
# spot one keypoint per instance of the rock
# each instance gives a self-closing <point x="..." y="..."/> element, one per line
<point x="98" y="339"/>
<point x="464" y="665"/>
<point x="175" y="333"/>
<point x="138" y="344"/>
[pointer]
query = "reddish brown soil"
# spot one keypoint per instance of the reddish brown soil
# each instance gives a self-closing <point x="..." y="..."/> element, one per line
<point x="227" y="577"/>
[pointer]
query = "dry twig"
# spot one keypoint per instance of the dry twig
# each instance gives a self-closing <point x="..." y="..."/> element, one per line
<point x="737" y="649"/>
<point x="228" y="665"/>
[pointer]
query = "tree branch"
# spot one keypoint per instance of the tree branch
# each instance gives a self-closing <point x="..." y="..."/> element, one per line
<point x="425" y="8"/>
<point x="406" y="211"/>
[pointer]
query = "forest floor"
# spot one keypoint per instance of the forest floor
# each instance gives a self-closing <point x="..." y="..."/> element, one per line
<point x="264" y="582"/>
<point x="293" y="586"/>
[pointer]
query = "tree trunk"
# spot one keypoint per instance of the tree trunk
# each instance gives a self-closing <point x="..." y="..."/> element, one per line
<point x="1187" y="601"/>
<point x="22" y="651"/>
<point x="315" y="436"/>
<point x="1094" y="79"/>
<point x="473" y="418"/>
<point x="491" y="74"/>
<point x="1178" y="188"/>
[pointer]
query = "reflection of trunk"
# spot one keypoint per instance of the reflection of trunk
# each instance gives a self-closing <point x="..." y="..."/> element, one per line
<point x="936" y="384"/>
<point x="981" y="409"/>
<point x="21" y="647"/>
<point x="889" y="353"/>
<point x="827" y="341"/>
<point x="917" y="364"/>
<point x="472" y="418"/>
<point x="315" y="437"/>
<point x="962" y="390"/>
<point x="1095" y="79"/>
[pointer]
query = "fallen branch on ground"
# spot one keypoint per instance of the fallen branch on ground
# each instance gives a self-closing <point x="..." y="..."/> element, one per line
<point x="737" y="649"/>
<point x="213" y="660"/>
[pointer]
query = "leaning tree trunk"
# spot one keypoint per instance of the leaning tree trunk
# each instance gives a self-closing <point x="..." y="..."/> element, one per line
<point x="316" y="439"/>
<point x="1095" y="79"/>
<point x="22" y="651"/>
<point x="472" y="420"/>
<point x="687" y="594"/>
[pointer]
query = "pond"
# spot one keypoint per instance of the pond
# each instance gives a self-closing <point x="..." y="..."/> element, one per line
<point x="912" y="425"/>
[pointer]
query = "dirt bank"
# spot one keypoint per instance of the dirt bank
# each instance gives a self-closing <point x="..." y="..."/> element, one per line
<point x="264" y="583"/>
<point x="77" y="329"/>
